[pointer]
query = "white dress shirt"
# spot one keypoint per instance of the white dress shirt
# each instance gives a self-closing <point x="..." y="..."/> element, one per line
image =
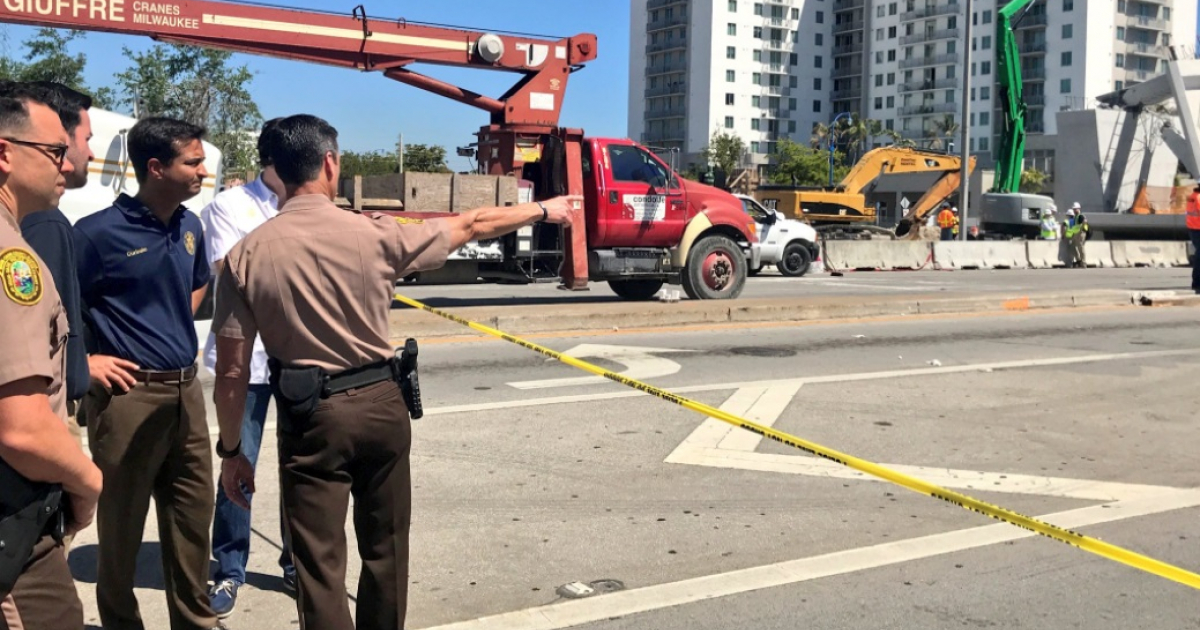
<point x="232" y="215"/>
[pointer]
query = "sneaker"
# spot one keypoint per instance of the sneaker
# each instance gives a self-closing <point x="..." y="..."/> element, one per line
<point x="289" y="581"/>
<point x="223" y="597"/>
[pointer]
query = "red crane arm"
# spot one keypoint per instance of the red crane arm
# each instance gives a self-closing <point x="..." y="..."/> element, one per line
<point x="353" y="40"/>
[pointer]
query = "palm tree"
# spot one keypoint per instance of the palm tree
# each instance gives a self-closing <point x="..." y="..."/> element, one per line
<point x="874" y="129"/>
<point x="942" y="130"/>
<point x="855" y="133"/>
<point x="821" y="135"/>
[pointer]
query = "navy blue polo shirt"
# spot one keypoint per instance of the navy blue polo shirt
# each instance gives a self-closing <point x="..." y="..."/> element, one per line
<point x="136" y="278"/>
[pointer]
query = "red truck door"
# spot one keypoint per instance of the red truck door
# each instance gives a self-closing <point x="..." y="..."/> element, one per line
<point x="643" y="204"/>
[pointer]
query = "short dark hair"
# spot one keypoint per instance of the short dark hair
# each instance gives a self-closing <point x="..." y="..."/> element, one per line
<point x="158" y="138"/>
<point x="265" y="138"/>
<point x="15" y="97"/>
<point x="65" y="102"/>
<point x="298" y="147"/>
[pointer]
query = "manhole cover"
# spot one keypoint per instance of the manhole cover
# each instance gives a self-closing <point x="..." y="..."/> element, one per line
<point x="608" y="586"/>
<point x="763" y="351"/>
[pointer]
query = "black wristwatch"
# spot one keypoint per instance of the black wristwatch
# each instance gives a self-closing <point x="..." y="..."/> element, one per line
<point x="545" y="213"/>
<point x="224" y="454"/>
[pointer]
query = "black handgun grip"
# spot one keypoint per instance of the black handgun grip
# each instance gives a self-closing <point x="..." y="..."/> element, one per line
<point x="410" y="384"/>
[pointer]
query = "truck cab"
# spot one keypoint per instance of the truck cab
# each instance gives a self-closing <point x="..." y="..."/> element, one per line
<point x="788" y="244"/>
<point x="647" y="226"/>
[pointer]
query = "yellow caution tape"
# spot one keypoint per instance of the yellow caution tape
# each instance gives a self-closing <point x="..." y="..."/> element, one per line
<point x="1075" y="539"/>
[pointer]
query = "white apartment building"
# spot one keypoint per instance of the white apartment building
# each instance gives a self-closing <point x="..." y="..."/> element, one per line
<point x="766" y="69"/>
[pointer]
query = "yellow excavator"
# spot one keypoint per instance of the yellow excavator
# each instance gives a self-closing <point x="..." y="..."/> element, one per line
<point x="843" y="208"/>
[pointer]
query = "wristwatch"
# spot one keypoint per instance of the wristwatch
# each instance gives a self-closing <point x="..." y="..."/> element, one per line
<point x="545" y="213"/>
<point x="224" y="454"/>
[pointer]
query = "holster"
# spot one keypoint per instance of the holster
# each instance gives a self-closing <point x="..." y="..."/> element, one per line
<point x="404" y="369"/>
<point x="297" y="392"/>
<point x="27" y="509"/>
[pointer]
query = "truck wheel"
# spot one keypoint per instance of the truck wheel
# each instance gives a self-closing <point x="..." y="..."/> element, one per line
<point x="716" y="270"/>
<point x="796" y="260"/>
<point x="635" y="290"/>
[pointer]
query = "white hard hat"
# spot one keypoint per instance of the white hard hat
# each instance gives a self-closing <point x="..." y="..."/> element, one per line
<point x="1076" y="206"/>
<point x="1071" y="212"/>
<point x="954" y="209"/>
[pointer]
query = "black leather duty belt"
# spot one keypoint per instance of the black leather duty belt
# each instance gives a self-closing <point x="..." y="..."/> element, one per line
<point x="359" y="377"/>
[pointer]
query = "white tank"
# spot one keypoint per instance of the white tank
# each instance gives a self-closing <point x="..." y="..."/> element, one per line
<point x="111" y="173"/>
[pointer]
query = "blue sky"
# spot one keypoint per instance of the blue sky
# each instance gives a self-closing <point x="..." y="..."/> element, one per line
<point x="370" y="110"/>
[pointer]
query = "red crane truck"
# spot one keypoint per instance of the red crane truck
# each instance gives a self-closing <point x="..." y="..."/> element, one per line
<point x="641" y="225"/>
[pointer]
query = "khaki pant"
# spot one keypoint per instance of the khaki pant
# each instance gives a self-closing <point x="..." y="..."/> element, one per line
<point x="44" y="596"/>
<point x="1078" y="251"/>
<point x="355" y="444"/>
<point x="152" y="442"/>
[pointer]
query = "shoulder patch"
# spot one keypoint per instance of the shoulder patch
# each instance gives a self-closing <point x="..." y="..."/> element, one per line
<point x="408" y="221"/>
<point x="21" y="275"/>
<point x="189" y="243"/>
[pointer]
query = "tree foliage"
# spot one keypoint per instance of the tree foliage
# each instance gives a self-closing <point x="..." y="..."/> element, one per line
<point x="201" y="86"/>
<point x="725" y="151"/>
<point x="47" y="59"/>
<point x="425" y="158"/>
<point x="1032" y="180"/>
<point x="798" y="165"/>
<point x="369" y="163"/>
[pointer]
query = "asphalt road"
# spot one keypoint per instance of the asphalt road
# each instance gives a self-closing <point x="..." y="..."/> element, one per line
<point x="524" y="482"/>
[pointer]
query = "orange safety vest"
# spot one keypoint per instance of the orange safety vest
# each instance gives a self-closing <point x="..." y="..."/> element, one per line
<point x="1193" y="211"/>
<point x="946" y="219"/>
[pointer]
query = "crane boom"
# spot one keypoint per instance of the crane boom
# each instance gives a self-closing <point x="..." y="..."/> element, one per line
<point x="1010" y="152"/>
<point x="353" y="40"/>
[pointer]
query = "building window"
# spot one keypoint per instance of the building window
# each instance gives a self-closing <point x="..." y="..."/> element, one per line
<point x="952" y="71"/>
<point x="879" y="80"/>
<point x="817" y="83"/>
<point x="1120" y="61"/>
<point x="791" y="126"/>
<point x="1066" y="58"/>
<point x="795" y="14"/>
<point x="1119" y="85"/>
<point x="817" y="107"/>
<point x="889" y="124"/>
<point x="1068" y="31"/>
<point x="756" y="101"/>
<point x="972" y="119"/>
<point x="793" y="59"/>
<point x="879" y="56"/>
<point x="952" y="21"/>
<point x="880" y="11"/>
<point x="987" y="42"/>
<point x="820" y="40"/>
<point x="878" y="102"/>
<point x="731" y="29"/>
<point x="891" y="102"/>
<point x="754" y="124"/>
<point x="758" y="8"/>
<point x="729" y="122"/>
<point x="987" y="17"/>
<point x="879" y="34"/>
<point x="1121" y="33"/>
<point x="757" y="55"/>
<point x="756" y="78"/>
<point x="891" y="32"/>
<point x="730" y="52"/>
<point x="951" y="47"/>
<point x="1069" y="5"/>
<point x="791" y="104"/>
<point x="985" y="67"/>
<point x="972" y="144"/>
<point x="820" y="17"/>
<point x="949" y="96"/>
<point x="817" y="61"/>
<point x="728" y="98"/>
<point x="754" y="147"/>
<point x="985" y="93"/>
<point x="892" y="9"/>
<point x="730" y="76"/>
<point x="891" y="56"/>
<point x="983" y="144"/>
<point x="733" y="6"/>
<point x="793" y="81"/>
<point x="985" y="118"/>
<point x="891" y="78"/>
<point x="1064" y="86"/>
<point x="757" y="32"/>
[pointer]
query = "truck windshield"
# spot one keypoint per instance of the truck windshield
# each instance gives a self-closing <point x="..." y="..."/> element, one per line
<point x="753" y="209"/>
<point x="632" y="164"/>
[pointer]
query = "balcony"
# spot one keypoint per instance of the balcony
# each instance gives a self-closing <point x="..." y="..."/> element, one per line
<point x="667" y="68"/>
<point x="928" y="12"/>
<point x="1033" y="74"/>
<point x="845" y="95"/>
<point x="852" y="71"/>
<point x="675" y="89"/>
<point x="658" y="4"/>
<point x="847" y="49"/>
<point x="1139" y="75"/>
<point x="921" y="86"/>
<point x="776" y="22"/>
<point x="675" y="44"/>
<point x="776" y="90"/>
<point x="665" y="23"/>
<point x="661" y="137"/>
<point x="777" y="44"/>
<point x="1148" y="50"/>
<point x="929" y="36"/>
<point x="1147" y="22"/>
<point x="845" y="5"/>
<point x="1037" y="100"/>
<point x="1031" y="48"/>
<point x="775" y="68"/>
<point x="659" y="113"/>
<point x="934" y="60"/>
<point x="846" y="27"/>
<point x="1033" y="20"/>
<point x="930" y="108"/>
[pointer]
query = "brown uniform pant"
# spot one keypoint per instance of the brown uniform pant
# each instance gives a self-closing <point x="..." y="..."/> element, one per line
<point x="152" y="441"/>
<point x="44" y="595"/>
<point x="1078" y="251"/>
<point x="356" y="443"/>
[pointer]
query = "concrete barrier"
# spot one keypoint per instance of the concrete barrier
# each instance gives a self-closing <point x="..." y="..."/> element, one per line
<point x="876" y="254"/>
<point x="1047" y="254"/>
<point x="1099" y="254"/>
<point x="980" y="255"/>
<point x="1149" y="253"/>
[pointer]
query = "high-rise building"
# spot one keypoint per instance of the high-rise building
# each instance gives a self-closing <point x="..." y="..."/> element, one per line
<point x="769" y="69"/>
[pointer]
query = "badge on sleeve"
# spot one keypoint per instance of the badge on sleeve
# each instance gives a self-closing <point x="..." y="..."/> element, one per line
<point x="22" y="276"/>
<point x="409" y="221"/>
<point x="189" y="243"/>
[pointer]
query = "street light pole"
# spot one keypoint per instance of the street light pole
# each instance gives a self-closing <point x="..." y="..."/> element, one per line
<point x="965" y="148"/>
<point x="832" y="136"/>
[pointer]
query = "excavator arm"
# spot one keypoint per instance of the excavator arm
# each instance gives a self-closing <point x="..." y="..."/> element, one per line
<point x="1010" y="150"/>
<point x="942" y="189"/>
<point x="353" y="40"/>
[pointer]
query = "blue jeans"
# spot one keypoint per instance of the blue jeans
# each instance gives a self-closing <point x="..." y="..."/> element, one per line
<point x="231" y="524"/>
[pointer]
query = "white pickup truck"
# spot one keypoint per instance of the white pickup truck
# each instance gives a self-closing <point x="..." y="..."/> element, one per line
<point x="788" y="244"/>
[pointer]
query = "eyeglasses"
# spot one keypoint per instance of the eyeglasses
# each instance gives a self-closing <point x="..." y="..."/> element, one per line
<point x="57" y="152"/>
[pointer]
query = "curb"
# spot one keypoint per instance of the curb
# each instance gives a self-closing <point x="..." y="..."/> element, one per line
<point x="613" y="316"/>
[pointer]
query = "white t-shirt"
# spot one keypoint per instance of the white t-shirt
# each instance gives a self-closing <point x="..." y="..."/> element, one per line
<point x="232" y="215"/>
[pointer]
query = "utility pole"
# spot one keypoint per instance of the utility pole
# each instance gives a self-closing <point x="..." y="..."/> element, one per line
<point x="964" y="198"/>
<point x="400" y="152"/>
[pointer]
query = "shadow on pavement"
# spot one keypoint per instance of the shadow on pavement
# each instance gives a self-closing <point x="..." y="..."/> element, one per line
<point x="149" y="569"/>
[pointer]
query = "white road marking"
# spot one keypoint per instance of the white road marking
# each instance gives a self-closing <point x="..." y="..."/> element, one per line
<point x="578" y="612"/>
<point x="809" y="380"/>
<point x="639" y="362"/>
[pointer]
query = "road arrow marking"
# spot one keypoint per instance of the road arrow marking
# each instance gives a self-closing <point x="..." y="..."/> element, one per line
<point x="640" y="363"/>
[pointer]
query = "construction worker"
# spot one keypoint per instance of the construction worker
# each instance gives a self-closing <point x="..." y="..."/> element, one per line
<point x="1193" y="226"/>
<point x="1075" y="230"/>
<point x="1048" y="228"/>
<point x="947" y="220"/>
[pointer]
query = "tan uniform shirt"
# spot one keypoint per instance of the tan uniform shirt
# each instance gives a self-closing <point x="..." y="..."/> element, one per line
<point x="33" y="323"/>
<point x="316" y="282"/>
